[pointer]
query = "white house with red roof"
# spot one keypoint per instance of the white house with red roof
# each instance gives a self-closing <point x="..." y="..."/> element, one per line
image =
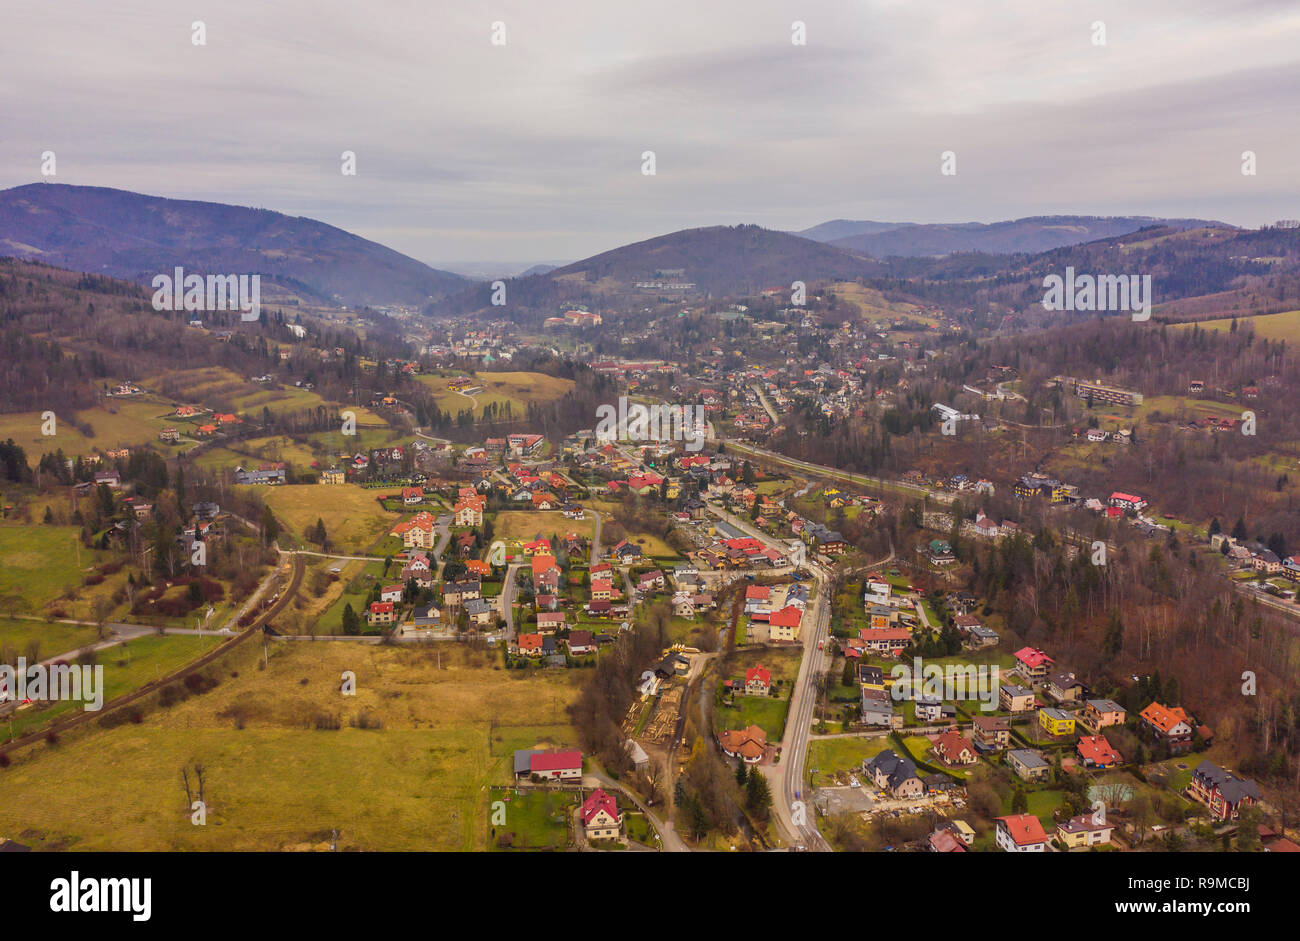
<point x="758" y="681"/>
<point x="600" y="817"/>
<point x="1021" y="833"/>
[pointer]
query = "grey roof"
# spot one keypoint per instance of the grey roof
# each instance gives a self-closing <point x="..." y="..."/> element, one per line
<point x="1233" y="788"/>
<point x="1030" y="759"/>
<point x="896" y="768"/>
<point x="524" y="759"/>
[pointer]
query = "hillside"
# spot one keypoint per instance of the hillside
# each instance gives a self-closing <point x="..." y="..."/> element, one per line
<point x="1033" y="234"/>
<point x="718" y="260"/>
<point x="134" y="236"/>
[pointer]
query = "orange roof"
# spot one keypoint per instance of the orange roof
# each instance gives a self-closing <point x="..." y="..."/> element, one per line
<point x="1097" y="748"/>
<point x="1164" y="718"/>
<point x="530" y="641"/>
<point x="1024" y="829"/>
<point x="748" y="743"/>
<point x="543" y="563"/>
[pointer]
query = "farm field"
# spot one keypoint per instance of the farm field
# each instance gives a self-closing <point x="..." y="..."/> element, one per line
<point x="353" y="516"/>
<point x="17" y="635"/>
<point x="38" y="563"/>
<point x="127" y="666"/>
<point x="1283" y="326"/>
<point x="516" y="389"/>
<point x="273" y="781"/>
<point x="119" y="422"/>
<point x="524" y="525"/>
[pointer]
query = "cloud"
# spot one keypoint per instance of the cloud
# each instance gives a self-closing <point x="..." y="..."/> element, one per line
<point x="532" y="150"/>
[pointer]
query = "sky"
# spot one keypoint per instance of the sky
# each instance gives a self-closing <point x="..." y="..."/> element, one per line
<point x="532" y="150"/>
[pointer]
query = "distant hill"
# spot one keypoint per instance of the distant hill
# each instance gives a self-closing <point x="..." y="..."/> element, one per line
<point x="1031" y="235"/>
<point x="718" y="260"/>
<point x="135" y="237"/>
<point x="726" y="260"/>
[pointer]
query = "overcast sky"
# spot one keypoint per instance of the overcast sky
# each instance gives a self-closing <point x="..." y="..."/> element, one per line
<point x="532" y="150"/>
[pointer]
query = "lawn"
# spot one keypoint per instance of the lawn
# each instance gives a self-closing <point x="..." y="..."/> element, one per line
<point x="126" y="666"/>
<point x="353" y="516"/>
<point x="275" y="782"/>
<point x="525" y="525"/>
<point x="534" y="819"/>
<point x="39" y="563"/>
<point x="1283" y="326"/>
<point x="50" y="639"/>
<point x="766" y="712"/>
<point x="829" y="755"/>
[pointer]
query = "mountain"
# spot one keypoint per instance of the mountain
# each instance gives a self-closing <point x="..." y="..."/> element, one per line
<point x="725" y="260"/>
<point x="135" y="237"/>
<point x="718" y="260"/>
<point x="1029" y="235"/>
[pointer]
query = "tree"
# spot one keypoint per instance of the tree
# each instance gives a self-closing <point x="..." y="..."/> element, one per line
<point x="270" y="528"/>
<point x="742" y="773"/>
<point x="350" y="625"/>
<point x="758" y="796"/>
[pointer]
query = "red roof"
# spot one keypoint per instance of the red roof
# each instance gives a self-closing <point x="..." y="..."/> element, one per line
<point x="1024" y="829"/>
<point x="789" y="616"/>
<point x="382" y="607"/>
<point x="556" y="761"/>
<point x="1097" y="749"/>
<point x="1033" y="657"/>
<point x="760" y="673"/>
<point x="597" y="801"/>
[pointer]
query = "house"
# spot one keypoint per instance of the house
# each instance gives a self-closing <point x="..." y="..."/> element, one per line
<point x="952" y="748"/>
<point x="1083" y="830"/>
<point x="600" y="817"/>
<point x="746" y="744"/>
<point x="1032" y="663"/>
<point x="783" y="625"/>
<point x="894" y="774"/>
<point x="427" y="616"/>
<point x="390" y="593"/>
<point x="878" y="709"/>
<point x="529" y="645"/>
<point x="990" y="733"/>
<point x="468" y="511"/>
<point x="944" y="840"/>
<point x="581" y="643"/>
<point x="380" y="612"/>
<point x="1064" y="687"/>
<point x="548" y="622"/>
<point x="1056" y="721"/>
<point x="983" y="637"/>
<point x="1221" y="791"/>
<point x="549" y="766"/>
<point x="626" y="551"/>
<point x="479" y="611"/>
<point x="758" y="681"/>
<point x="1028" y="765"/>
<point x="927" y="710"/>
<point x="263" y="475"/>
<point x="1101" y="713"/>
<point x="1095" y="751"/>
<point x="1170" y="725"/>
<point x="412" y="495"/>
<point x="1021" y="833"/>
<point x="1013" y="698"/>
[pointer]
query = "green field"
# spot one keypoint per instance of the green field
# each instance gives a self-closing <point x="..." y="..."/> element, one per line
<point x="353" y="517"/>
<point x="276" y="782"/>
<point x="534" y="819"/>
<point x="39" y="563"/>
<point x="1283" y="326"/>
<point x="51" y="639"/>
<point x="126" y="666"/>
